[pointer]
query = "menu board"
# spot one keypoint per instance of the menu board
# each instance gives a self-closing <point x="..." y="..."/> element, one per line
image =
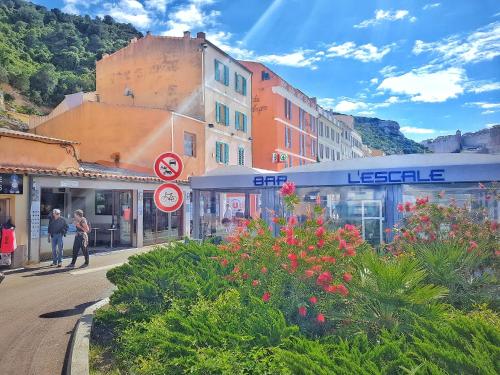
<point x="11" y="183"/>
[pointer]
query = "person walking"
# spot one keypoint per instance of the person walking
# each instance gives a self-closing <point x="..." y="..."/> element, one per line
<point x="57" y="230"/>
<point x="81" y="238"/>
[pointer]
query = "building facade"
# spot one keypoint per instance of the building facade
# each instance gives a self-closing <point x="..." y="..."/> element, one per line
<point x="329" y="136"/>
<point x="486" y="141"/>
<point x="284" y="121"/>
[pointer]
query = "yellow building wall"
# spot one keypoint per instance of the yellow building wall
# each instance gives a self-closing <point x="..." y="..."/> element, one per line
<point x="161" y="72"/>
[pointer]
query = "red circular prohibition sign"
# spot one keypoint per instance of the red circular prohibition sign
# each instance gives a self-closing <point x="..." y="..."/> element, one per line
<point x="162" y="195"/>
<point x="168" y="166"/>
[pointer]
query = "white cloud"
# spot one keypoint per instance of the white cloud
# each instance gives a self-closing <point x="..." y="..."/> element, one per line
<point x="385" y="15"/>
<point x="222" y="40"/>
<point x="489" y="126"/>
<point x="478" y="87"/>
<point x="128" y="11"/>
<point x="489" y="108"/>
<point x="481" y="45"/>
<point x="349" y="106"/>
<point x="424" y="86"/>
<point x="297" y="59"/>
<point x="157" y="5"/>
<point x="191" y="16"/>
<point x="415" y="130"/>
<point x="365" y="53"/>
<point x="326" y="102"/>
<point x="374" y="81"/>
<point x="388" y="70"/>
<point x="431" y="6"/>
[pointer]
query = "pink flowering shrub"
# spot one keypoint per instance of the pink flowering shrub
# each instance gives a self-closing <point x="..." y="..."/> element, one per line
<point x="305" y="271"/>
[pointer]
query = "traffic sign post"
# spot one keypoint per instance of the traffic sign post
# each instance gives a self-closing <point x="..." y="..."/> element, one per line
<point x="168" y="197"/>
<point x="168" y="166"/>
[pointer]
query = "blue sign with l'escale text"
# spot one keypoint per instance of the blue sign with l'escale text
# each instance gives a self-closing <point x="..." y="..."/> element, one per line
<point x="397" y="176"/>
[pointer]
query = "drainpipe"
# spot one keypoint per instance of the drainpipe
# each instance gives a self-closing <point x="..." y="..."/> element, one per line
<point x="172" y="129"/>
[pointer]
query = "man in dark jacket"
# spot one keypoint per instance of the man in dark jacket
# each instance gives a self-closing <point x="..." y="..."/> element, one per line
<point x="57" y="230"/>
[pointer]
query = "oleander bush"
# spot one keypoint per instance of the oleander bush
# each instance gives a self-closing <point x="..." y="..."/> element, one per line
<point x="308" y="301"/>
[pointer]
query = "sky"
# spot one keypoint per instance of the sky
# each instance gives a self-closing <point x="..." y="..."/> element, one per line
<point x="433" y="66"/>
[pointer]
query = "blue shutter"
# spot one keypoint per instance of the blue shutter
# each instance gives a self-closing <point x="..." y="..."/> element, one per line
<point x="217" y="73"/>
<point x="226" y="153"/>
<point x="245" y="123"/>
<point x="217" y="152"/>
<point x="226" y="112"/>
<point x="226" y="75"/>
<point x="235" y="81"/>
<point x="244" y="92"/>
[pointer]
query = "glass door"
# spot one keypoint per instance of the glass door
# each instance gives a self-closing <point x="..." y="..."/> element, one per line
<point x="159" y="226"/>
<point x="124" y="213"/>
<point x="372" y="221"/>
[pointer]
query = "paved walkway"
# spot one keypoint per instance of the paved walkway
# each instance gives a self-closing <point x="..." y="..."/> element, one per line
<point x="39" y="308"/>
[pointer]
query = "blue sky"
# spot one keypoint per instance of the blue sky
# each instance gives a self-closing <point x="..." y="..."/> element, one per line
<point x="433" y="66"/>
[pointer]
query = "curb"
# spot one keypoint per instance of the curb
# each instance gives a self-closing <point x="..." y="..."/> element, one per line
<point x="78" y="359"/>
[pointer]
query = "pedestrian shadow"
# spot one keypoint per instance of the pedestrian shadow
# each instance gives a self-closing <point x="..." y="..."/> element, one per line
<point x="52" y="271"/>
<point x="77" y="310"/>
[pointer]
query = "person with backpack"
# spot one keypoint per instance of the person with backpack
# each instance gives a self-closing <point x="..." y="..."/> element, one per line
<point x="81" y="238"/>
<point x="57" y="230"/>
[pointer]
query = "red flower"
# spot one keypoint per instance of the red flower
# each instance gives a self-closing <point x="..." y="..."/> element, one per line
<point x="302" y="311"/>
<point x="472" y="246"/>
<point x="263" y="270"/>
<point x="292" y="257"/>
<point x="481" y="186"/>
<point x="245" y="256"/>
<point x="309" y="273"/>
<point x="320" y="232"/>
<point x="401" y="208"/>
<point x="276" y="220"/>
<point x="320" y="318"/>
<point x="313" y="300"/>
<point x="330" y="288"/>
<point x="342" y="290"/>
<point x="276" y="248"/>
<point x="424" y="218"/>
<point x="342" y="244"/>
<point x="302" y="254"/>
<point x="236" y="270"/>
<point x="310" y="247"/>
<point x="422" y="201"/>
<point x="292" y="220"/>
<point x="260" y="232"/>
<point x="245" y="276"/>
<point x="255" y="282"/>
<point x="347" y="277"/>
<point x="321" y="243"/>
<point x="320" y="220"/>
<point x="266" y="296"/>
<point x="224" y="262"/>
<point x="288" y="188"/>
<point x="324" y="279"/>
<point x="387" y="230"/>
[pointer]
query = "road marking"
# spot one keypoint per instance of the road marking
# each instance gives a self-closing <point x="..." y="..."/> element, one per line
<point x="90" y="270"/>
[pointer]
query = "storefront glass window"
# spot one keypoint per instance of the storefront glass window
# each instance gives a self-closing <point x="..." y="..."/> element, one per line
<point x="103" y="202"/>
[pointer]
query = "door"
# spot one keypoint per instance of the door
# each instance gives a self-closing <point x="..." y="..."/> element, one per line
<point x="372" y="221"/>
<point x="123" y="210"/>
<point x="159" y="226"/>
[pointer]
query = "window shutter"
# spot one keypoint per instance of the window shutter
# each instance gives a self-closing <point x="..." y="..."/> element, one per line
<point x="217" y="72"/>
<point x="226" y="153"/>
<point x="226" y="75"/>
<point x="217" y="152"/>
<point x="217" y="112"/>
<point x="244" y="92"/>
<point x="245" y="123"/>
<point x="226" y="112"/>
<point x="237" y="120"/>
<point x="235" y="81"/>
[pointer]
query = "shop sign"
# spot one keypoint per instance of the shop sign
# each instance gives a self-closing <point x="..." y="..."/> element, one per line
<point x="168" y="166"/>
<point x="69" y="183"/>
<point x="391" y="177"/>
<point x="11" y="183"/>
<point x="168" y="197"/>
<point x="279" y="157"/>
<point x="269" y="180"/>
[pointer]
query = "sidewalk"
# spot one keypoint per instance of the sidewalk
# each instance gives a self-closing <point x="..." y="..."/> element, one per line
<point x="40" y="305"/>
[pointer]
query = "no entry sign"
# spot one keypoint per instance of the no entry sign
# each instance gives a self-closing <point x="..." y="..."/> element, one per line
<point x="168" y="166"/>
<point x="168" y="197"/>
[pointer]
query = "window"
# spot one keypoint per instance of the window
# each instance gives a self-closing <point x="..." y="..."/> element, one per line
<point x="221" y="73"/>
<point x="222" y="152"/>
<point x="327" y="131"/>
<point x="290" y="161"/>
<point x="321" y="150"/>
<point x="221" y="114"/>
<point x="321" y="128"/>
<point x="240" y="84"/>
<point x="338" y="155"/>
<point x="288" y="109"/>
<point x="302" y="118"/>
<point x="240" y="121"/>
<point x="288" y="137"/>
<point x="241" y="156"/>
<point x="302" y="142"/>
<point x="313" y="147"/>
<point x="312" y="119"/>
<point x="265" y="75"/>
<point x="103" y="202"/>
<point x="327" y="152"/>
<point x="189" y="144"/>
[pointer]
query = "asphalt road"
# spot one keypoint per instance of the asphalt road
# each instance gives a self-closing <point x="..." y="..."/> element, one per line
<point x="39" y="308"/>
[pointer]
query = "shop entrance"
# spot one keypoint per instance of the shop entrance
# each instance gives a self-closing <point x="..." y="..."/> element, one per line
<point x="159" y="226"/>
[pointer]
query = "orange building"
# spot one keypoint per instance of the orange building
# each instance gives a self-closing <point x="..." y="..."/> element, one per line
<point x="284" y="121"/>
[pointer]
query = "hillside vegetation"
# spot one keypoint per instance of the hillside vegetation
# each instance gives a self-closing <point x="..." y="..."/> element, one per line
<point x="385" y="135"/>
<point x="45" y="54"/>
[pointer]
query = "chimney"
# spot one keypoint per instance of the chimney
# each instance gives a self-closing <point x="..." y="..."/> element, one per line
<point x="187" y="34"/>
<point x="200" y="35"/>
